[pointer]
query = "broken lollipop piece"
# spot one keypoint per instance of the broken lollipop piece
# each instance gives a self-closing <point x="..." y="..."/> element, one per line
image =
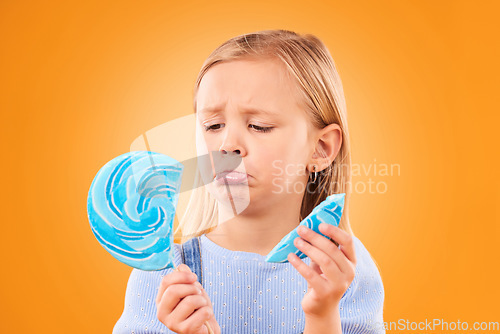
<point x="329" y="211"/>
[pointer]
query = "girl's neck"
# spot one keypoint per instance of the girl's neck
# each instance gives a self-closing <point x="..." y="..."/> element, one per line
<point x="255" y="233"/>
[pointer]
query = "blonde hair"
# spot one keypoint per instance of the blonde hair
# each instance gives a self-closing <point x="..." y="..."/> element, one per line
<point x="309" y="62"/>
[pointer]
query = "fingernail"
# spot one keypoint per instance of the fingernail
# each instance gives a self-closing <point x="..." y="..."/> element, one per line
<point x="298" y="242"/>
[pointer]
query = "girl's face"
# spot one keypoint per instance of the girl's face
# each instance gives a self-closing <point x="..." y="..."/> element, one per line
<point x="249" y="110"/>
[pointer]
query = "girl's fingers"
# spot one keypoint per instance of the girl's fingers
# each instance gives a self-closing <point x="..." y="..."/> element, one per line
<point x="322" y="250"/>
<point x="328" y="265"/>
<point x="175" y="277"/>
<point x="197" y="320"/>
<point x="211" y="319"/>
<point x="316" y="268"/>
<point x="312" y="277"/>
<point x="174" y="294"/>
<point x="187" y="306"/>
<point x="341" y="237"/>
<point x="203" y="292"/>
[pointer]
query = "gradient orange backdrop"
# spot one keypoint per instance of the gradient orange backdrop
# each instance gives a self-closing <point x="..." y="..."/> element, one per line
<point x="81" y="80"/>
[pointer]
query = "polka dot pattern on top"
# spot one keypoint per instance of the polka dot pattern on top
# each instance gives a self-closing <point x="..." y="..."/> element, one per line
<point x="250" y="295"/>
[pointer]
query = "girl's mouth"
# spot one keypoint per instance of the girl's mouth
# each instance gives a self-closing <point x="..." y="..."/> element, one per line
<point x="231" y="177"/>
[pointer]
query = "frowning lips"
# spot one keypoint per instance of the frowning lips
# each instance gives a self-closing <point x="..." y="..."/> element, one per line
<point x="231" y="176"/>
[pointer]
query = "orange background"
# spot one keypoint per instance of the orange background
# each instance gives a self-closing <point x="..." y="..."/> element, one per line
<point x="81" y="80"/>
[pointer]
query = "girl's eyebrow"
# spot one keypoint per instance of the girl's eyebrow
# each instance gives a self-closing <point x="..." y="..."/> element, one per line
<point x="246" y="110"/>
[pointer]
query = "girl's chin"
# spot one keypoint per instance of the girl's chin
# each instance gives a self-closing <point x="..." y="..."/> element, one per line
<point x="231" y="193"/>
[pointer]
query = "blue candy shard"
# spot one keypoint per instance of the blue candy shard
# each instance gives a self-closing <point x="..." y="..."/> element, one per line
<point x="329" y="211"/>
<point x="131" y="208"/>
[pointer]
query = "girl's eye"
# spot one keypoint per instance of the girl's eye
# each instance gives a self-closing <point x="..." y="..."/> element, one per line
<point x="256" y="127"/>
<point x="211" y="127"/>
<point x="261" y="128"/>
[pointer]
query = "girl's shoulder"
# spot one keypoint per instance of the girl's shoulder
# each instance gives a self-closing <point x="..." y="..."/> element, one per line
<point x="362" y="306"/>
<point x="363" y="256"/>
<point x="367" y="274"/>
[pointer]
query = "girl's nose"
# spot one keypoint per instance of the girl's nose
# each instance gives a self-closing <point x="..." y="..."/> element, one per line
<point x="230" y="157"/>
<point x="235" y="151"/>
<point x="232" y="143"/>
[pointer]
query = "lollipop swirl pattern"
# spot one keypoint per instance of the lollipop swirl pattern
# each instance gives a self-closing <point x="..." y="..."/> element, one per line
<point x="131" y="208"/>
<point x="329" y="211"/>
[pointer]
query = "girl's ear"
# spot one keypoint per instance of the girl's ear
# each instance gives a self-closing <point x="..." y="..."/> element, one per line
<point x="328" y="144"/>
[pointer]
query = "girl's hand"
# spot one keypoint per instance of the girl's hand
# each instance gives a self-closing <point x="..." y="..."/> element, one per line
<point x="331" y="271"/>
<point x="183" y="305"/>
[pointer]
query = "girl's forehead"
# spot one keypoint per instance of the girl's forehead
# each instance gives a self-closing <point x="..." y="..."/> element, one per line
<point x="261" y="84"/>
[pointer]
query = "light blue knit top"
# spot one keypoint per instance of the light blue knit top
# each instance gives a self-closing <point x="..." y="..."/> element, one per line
<point x="250" y="295"/>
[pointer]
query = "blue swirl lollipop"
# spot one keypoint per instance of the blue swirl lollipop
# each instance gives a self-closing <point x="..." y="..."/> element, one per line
<point x="329" y="211"/>
<point x="131" y="208"/>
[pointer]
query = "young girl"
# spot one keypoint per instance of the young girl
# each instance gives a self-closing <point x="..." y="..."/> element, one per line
<point x="274" y="100"/>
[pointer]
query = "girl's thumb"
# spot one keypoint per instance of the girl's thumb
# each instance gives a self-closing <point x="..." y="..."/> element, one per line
<point x="184" y="267"/>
